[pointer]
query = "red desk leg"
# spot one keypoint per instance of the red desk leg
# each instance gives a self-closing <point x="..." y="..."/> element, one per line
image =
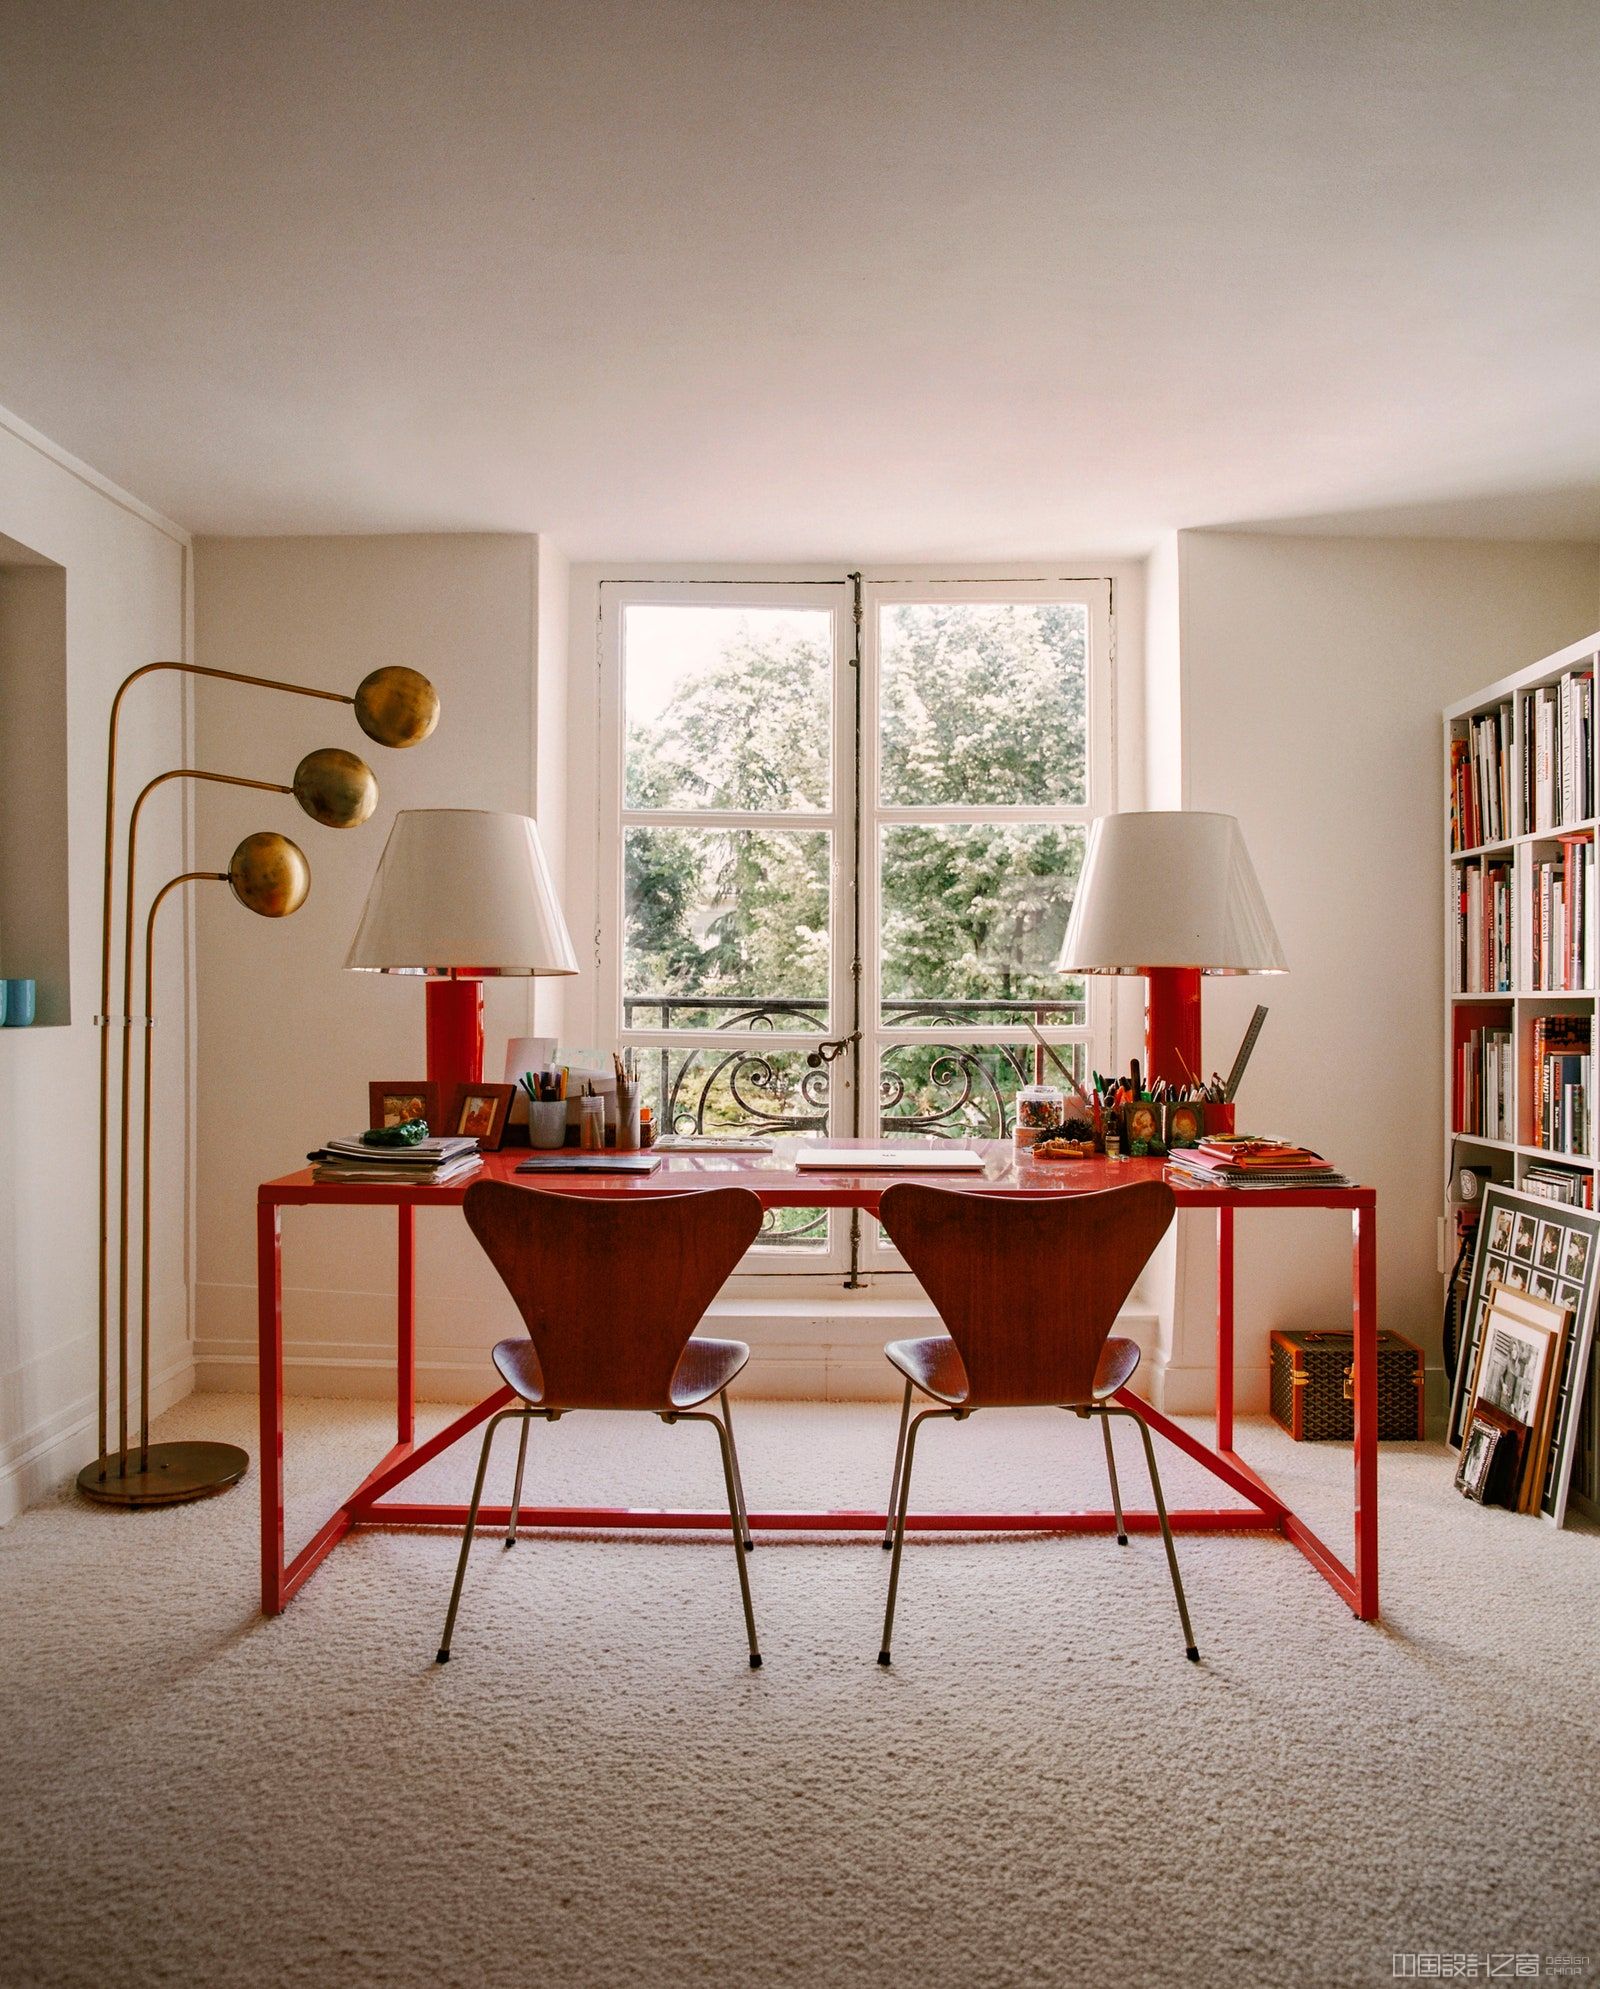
<point x="405" y="1380"/>
<point x="1224" y="1329"/>
<point x="1365" y="1388"/>
<point x="269" y="1307"/>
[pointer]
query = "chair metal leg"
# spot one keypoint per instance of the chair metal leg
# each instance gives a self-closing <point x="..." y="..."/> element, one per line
<point x="516" y="1489"/>
<point x="900" y="1527"/>
<point x="742" y="1510"/>
<point x="725" y="1442"/>
<point x="1116" y="1490"/>
<point x="1190" y="1652"/>
<point x="894" y="1481"/>
<point x="470" y="1529"/>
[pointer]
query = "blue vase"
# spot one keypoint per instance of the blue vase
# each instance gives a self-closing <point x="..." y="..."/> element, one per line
<point x="18" y="1003"/>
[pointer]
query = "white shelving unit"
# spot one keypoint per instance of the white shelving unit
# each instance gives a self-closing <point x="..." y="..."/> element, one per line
<point x="1516" y="1009"/>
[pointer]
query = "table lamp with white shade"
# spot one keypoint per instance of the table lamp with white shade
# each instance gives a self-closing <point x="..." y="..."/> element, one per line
<point x="461" y="895"/>
<point x="1172" y="895"/>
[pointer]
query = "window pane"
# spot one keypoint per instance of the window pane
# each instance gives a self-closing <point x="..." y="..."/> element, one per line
<point x="766" y="1093"/>
<point x="963" y="1091"/>
<point x="972" y="923"/>
<point x="720" y="923"/>
<point x="984" y="704"/>
<point x="727" y="707"/>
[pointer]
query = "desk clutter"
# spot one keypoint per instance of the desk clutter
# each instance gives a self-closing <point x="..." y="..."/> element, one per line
<point x="1244" y="1160"/>
<point x="415" y="1156"/>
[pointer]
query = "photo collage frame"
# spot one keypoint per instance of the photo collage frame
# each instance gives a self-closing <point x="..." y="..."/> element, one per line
<point x="1552" y="1251"/>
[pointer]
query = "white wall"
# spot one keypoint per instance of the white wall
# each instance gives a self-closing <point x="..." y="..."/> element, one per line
<point x="287" y="1039"/>
<point x="126" y="606"/>
<point x="1313" y="674"/>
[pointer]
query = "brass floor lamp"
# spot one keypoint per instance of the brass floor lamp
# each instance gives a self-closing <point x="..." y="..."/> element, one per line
<point x="269" y="875"/>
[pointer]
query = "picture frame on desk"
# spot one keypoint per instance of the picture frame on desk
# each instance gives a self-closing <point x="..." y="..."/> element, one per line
<point x="393" y="1101"/>
<point x="480" y="1112"/>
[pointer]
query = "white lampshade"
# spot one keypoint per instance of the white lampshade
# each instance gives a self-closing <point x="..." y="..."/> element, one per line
<point x="1169" y="889"/>
<point x="462" y="890"/>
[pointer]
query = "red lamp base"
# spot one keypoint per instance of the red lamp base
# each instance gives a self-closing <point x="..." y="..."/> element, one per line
<point x="455" y="1036"/>
<point x="1172" y="1025"/>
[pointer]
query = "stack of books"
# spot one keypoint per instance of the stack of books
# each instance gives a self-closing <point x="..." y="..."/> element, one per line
<point x="1245" y="1160"/>
<point x="1559" y="928"/>
<point x="1483" y="928"/>
<point x="1558" y="752"/>
<point x="1561" y="1083"/>
<point x="1484" y="1064"/>
<point x="430" y="1162"/>
<point x="1480" y="785"/>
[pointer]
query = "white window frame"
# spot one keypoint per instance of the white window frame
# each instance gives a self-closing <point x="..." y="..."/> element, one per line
<point x="839" y="821"/>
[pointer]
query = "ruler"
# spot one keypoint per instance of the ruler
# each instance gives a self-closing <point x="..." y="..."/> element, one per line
<point x="1245" y="1049"/>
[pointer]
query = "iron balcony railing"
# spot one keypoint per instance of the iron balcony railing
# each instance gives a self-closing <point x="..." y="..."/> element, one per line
<point x="941" y="1085"/>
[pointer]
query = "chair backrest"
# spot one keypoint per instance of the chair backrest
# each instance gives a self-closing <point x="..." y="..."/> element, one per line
<point x="611" y="1290"/>
<point x="1028" y="1288"/>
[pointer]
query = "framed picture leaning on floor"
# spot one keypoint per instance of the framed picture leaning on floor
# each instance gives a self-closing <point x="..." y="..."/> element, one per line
<point x="1552" y="1251"/>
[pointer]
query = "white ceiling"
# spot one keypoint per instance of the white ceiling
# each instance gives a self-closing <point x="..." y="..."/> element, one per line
<point x="758" y="279"/>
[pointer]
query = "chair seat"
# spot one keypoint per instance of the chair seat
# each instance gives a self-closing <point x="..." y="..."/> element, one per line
<point x="704" y="1368"/>
<point x="935" y="1366"/>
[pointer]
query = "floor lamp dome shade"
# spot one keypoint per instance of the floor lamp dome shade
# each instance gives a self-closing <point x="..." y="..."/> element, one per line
<point x="270" y="875"/>
<point x="1173" y="895"/>
<point x="461" y="894"/>
<point x="335" y="788"/>
<point x="396" y="706"/>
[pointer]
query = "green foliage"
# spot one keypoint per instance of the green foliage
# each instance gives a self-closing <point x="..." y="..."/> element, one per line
<point x="982" y="706"/>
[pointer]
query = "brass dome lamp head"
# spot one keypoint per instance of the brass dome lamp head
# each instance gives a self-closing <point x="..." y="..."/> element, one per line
<point x="396" y="706"/>
<point x="269" y="874"/>
<point x="336" y="788"/>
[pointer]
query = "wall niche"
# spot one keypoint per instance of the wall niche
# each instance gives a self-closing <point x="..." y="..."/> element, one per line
<point x="34" y="943"/>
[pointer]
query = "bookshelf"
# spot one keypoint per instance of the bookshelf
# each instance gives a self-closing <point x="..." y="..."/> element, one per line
<point x="1522" y="789"/>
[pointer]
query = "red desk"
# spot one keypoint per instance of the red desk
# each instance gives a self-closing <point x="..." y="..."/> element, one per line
<point x="780" y="1185"/>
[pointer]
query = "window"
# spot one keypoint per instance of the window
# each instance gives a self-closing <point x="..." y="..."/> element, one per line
<point x="851" y="816"/>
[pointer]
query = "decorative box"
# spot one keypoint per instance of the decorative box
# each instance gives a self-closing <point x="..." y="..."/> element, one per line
<point x="1313" y="1394"/>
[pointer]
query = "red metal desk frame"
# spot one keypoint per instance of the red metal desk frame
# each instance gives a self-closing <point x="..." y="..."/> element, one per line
<point x="780" y="1185"/>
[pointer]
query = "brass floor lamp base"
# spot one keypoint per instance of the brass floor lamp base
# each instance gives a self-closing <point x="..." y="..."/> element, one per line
<point x="175" y="1473"/>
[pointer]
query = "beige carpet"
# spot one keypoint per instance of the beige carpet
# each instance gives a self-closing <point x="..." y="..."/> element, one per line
<point x="597" y="1790"/>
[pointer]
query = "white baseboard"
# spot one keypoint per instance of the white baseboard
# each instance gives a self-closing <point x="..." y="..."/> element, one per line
<point x="801" y="1349"/>
<point x="36" y="1462"/>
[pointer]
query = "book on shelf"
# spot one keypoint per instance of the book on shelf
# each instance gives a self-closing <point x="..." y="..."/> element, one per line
<point x="1561" y="1083"/>
<point x="1483" y="929"/>
<point x="1558" y="1184"/>
<point x="1480" y="784"/>
<point x="1557" y="728"/>
<point x="1484" y="1074"/>
<point x="1559" y="926"/>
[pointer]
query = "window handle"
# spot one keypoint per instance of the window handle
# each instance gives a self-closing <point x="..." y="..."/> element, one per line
<point x="831" y="1048"/>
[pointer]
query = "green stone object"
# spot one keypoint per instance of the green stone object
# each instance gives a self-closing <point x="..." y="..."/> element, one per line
<point x="406" y="1134"/>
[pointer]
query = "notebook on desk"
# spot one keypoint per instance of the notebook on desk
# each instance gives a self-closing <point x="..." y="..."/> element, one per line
<point x="897" y="1159"/>
<point x="590" y="1163"/>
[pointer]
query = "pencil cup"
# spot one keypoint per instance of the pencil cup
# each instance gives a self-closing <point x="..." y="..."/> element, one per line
<point x="18" y="1003"/>
<point x="1219" y="1119"/>
<point x="592" y="1125"/>
<point x="628" y="1116"/>
<point x="547" y="1121"/>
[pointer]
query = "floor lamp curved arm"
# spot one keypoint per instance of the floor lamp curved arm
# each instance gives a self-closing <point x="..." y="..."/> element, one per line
<point x="394" y="706"/>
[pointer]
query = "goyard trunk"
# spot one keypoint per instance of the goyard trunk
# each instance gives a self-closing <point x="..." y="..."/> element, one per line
<point x="1313" y="1394"/>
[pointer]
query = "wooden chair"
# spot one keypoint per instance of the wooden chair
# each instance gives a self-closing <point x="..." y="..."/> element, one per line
<point x="611" y="1293"/>
<point x="1029" y="1291"/>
